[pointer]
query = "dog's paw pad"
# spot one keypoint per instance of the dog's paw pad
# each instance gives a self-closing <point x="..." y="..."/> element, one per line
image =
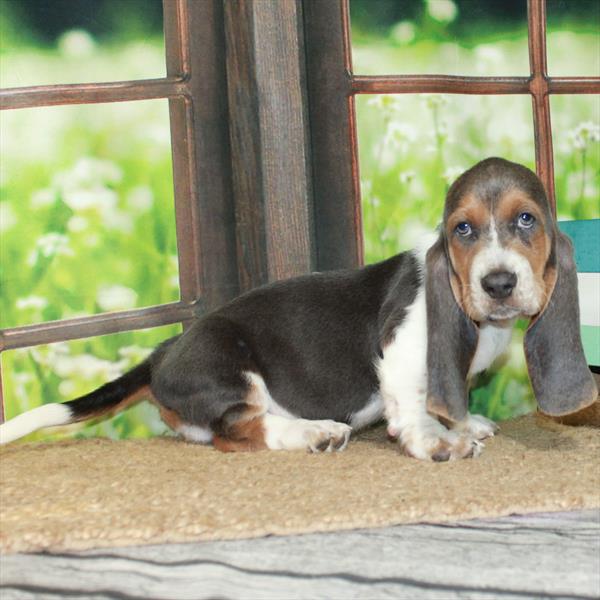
<point x="442" y="447"/>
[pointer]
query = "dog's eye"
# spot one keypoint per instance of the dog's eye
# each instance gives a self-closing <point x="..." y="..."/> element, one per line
<point x="463" y="229"/>
<point x="526" y="220"/>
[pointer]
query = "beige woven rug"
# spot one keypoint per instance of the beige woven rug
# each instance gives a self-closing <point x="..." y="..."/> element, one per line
<point x="94" y="493"/>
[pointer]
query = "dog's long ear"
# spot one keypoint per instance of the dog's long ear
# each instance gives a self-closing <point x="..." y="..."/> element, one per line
<point x="451" y="340"/>
<point x="561" y="379"/>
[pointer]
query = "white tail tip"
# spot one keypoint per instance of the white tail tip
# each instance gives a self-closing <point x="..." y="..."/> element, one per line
<point x="47" y="415"/>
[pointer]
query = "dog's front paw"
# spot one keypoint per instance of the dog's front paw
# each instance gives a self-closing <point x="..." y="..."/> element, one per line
<point x="282" y="433"/>
<point x="435" y="442"/>
<point x="476" y="426"/>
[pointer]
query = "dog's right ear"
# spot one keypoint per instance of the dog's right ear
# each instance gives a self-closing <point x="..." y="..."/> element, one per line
<point x="451" y="339"/>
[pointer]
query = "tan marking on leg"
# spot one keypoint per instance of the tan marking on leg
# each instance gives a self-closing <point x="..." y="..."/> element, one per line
<point x="245" y="430"/>
<point x="170" y="418"/>
<point x="242" y="436"/>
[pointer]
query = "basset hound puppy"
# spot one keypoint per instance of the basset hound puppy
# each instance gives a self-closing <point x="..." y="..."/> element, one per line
<point x="300" y="364"/>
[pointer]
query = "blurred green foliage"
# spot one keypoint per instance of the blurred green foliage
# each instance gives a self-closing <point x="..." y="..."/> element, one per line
<point x="86" y="200"/>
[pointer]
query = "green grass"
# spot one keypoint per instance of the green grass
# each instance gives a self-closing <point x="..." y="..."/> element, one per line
<point x="86" y="200"/>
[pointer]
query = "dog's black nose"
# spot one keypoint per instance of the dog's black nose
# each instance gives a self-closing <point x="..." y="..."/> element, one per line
<point x="499" y="284"/>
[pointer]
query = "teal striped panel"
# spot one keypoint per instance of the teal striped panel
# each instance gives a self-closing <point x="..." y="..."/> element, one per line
<point x="586" y="239"/>
<point x="590" y="337"/>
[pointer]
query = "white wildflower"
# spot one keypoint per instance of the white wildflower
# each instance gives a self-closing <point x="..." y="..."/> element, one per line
<point x="488" y="55"/>
<point x="116" y="297"/>
<point x="31" y="302"/>
<point x="99" y="198"/>
<point x="47" y="355"/>
<point x="442" y="131"/>
<point x="584" y="134"/>
<point x="89" y="172"/>
<point x="134" y="354"/>
<point x="366" y="187"/>
<point x="444" y="11"/>
<point x="8" y="218"/>
<point x="387" y="104"/>
<point x="118" y="220"/>
<point x="404" y="32"/>
<point x="77" y="224"/>
<point x="77" y="43"/>
<point x="67" y="388"/>
<point x="91" y="240"/>
<point x="86" y="367"/>
<point x="400" y="133"/>
<point x="20" y="382"/>
<point x="432" y="101"/>
<point x="413" y="232"/>
<point x="515" y="355"/>
<point x="406" y="177"/>
<point x="174" y="268"/>
<point x="50" y="245"/>
<point x="452" y="173"/>
<point x="42" y="198"/>
<point x="140" y="198"/>
<point x="389" y="233"/>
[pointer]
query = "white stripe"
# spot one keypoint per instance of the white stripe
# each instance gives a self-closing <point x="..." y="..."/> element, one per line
<point x="589" y="298"/>
<point x="47" y="415"/>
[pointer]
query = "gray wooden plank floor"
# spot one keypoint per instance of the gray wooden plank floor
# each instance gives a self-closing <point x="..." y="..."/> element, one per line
<point x="552" y="555"/>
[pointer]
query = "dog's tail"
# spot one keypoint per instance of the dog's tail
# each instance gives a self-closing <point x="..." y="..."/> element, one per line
<point x="111" y="397"/>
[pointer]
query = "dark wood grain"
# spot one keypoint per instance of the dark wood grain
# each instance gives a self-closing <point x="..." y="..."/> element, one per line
<point x="268" y="133"/>
<point x="205" y="215"/>
<point x="338" y="225"/>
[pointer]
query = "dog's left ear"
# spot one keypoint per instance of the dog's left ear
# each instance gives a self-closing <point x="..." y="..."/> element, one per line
<point x="451" y="340"/>
<point x="561" y="379"/>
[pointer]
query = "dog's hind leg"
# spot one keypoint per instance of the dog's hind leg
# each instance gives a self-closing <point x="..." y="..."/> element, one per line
<point x="210" y="389"/>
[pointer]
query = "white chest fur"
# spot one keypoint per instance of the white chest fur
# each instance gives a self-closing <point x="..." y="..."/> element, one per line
<point x="493" y="341"/>
<point x="403" y="370"/>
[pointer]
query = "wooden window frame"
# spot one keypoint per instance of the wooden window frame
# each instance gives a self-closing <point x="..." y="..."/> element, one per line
<point x="195" y="87"/>
<point x="328" y="26"/>
<point x="265" y="161"/>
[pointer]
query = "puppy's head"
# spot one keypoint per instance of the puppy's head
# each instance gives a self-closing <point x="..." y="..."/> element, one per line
<point x="499" y="256"/>
<point x="500" y="235"/>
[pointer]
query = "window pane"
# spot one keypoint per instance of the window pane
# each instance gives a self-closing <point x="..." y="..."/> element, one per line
<point x="411" y="147"/>
<point x="576" y="134"/>
<point x="66" y="370"/>
<point x="70" y="41"/>
<point x="86" y="211"/>
<point x="459" y="37"/>
<point x="573" y="37"/>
